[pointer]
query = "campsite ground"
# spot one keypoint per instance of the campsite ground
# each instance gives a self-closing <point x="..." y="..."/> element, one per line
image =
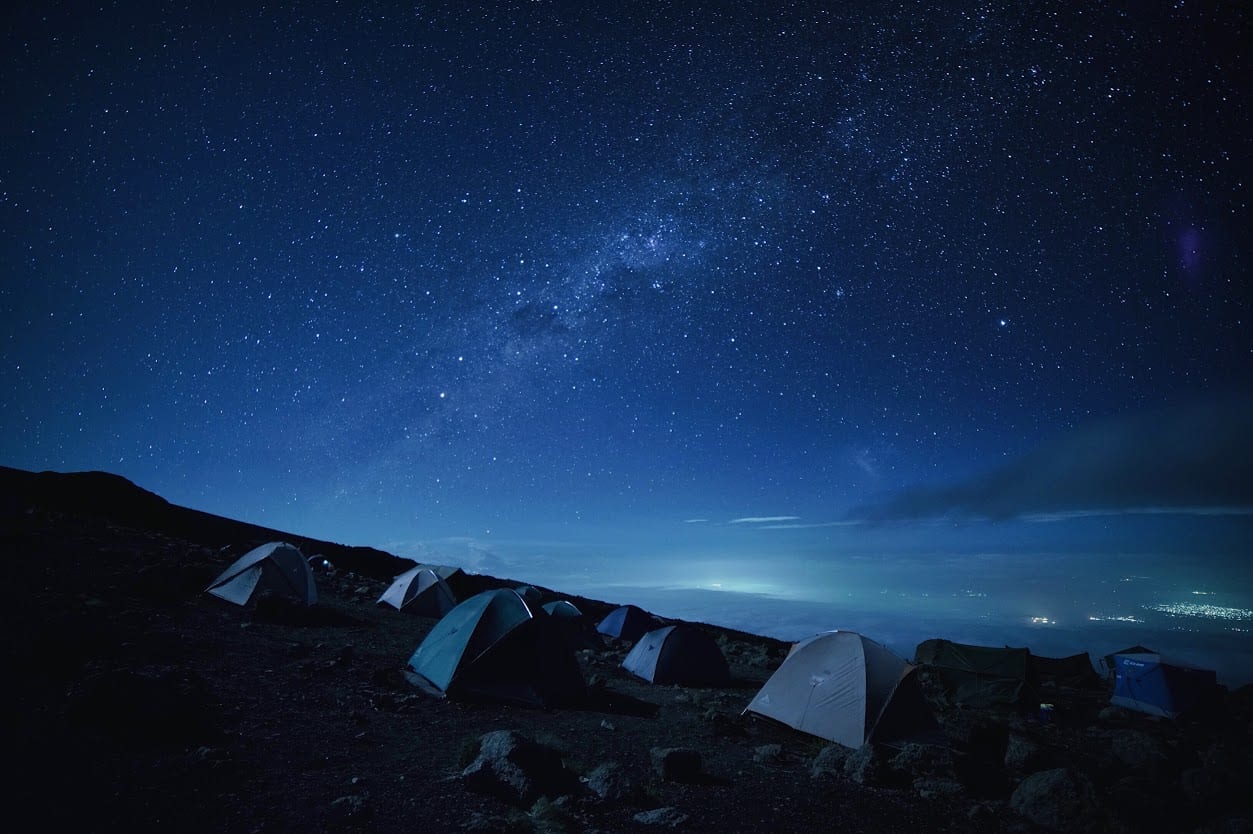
<point x="137" y="702"/>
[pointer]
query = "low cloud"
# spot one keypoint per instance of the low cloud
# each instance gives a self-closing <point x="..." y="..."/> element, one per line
<point x="764" y="519"/>
<point x="1197" y="459"/>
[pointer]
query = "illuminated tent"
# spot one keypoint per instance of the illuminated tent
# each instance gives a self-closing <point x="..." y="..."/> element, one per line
<point x="678" y="654"/>
<point x="419" y="591"/>
<point x="1148" y="683"/>
<point x="627" y="623"/>
<point x="846" y="688"/>
<point x="492" y="646"/>
<point x="979" y="675"/>
<point x="276" y="568"/>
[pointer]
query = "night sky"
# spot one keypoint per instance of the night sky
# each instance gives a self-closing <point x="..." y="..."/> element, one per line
<point x="808" y="305"/>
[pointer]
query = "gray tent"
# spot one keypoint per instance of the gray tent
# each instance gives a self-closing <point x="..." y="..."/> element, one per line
<point x="846" y="688"/>
<point x="419" y="591"/>
<point x="492" y="646"/>
<point x="678" y="654"/>
<point x="277" y="568"/>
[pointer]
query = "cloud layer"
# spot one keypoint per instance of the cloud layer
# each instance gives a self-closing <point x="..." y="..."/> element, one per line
<point x="1194" y="459"/>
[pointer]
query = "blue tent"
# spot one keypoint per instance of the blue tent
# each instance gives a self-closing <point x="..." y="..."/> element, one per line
<point x="1145" y="682"/>
<point x="627" y="623"/>
<point x="492" y="646"/>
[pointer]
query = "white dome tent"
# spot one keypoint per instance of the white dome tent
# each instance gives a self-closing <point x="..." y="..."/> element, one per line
<point x="277" y="567"/>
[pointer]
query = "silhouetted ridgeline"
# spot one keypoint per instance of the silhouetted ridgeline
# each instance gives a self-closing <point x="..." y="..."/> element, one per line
<point x="117" y="500"/>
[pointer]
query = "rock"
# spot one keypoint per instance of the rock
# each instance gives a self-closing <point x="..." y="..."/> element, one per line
<point x="514" y="768"/>
<point x="668" y="817"/>
<point x="1059" y="800"/>
<point x="921" y="761"/>
<point x="350" y="807"/>
<point x="1113" y="715"/>
<point x="865" y="765"/>
<point x="1022" y="754"/>
<point x="609" y="781"/>
<point x="931" y="788"/>
<point x="768" y="753"/>
<point x="1139" y="751"/>
<point x="1208" y="785"/>
<point x="830" y="761"/>
<point x="548" y="817"/>
<point x="676" y="764"/>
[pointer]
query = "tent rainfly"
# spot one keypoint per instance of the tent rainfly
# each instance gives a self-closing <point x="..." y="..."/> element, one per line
<point x="979" y="675"/>
<point x="419" y="591"/>
<point x="628" y="622"/>
<point x="678" y="654"/>
<point x="846" y="688"/>
<point x="1148" y="683"/>
<point x="1075" y="670"/>
<point x="491" y="646"/>
<point x="278" y="568"/>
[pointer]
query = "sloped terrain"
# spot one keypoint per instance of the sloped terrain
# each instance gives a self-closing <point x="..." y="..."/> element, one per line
<point x="138" y="702"/>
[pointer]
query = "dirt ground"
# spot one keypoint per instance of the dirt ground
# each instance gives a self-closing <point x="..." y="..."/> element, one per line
<point x="137" y="702"/>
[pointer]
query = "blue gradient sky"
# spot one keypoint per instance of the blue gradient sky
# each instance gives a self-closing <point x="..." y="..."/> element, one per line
<point x="958" y="296"/>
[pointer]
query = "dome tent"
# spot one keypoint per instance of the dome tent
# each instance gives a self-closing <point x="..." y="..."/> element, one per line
<point x="628" y="622"/>
<point x="846" y="688"/>
<point x="678" y="654"/>
<point x="277" y="568"/>
<point x="574" y="625"/>
<point x="492" y="646"/>
<point x="419" y="591"/>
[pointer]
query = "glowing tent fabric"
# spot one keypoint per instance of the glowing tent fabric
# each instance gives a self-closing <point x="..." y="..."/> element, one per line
<point x="277" y="568"/>
<point x="846" y="688"/>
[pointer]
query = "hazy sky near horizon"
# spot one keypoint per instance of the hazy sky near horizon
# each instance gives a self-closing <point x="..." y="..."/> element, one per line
<point x="658" y="285"/>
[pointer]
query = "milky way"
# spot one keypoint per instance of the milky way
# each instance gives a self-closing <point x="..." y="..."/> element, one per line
<point x="535" y="273"/>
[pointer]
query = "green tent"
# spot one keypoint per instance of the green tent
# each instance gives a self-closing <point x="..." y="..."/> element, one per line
<point x="979" y="675"/>
<point x="493" y="647"/>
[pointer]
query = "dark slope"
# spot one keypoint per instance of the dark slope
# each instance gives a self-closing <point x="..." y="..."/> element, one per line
<point x="115" y="499"/>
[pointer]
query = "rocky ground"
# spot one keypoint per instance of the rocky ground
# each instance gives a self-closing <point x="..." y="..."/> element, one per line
<point x="137" y="702"/>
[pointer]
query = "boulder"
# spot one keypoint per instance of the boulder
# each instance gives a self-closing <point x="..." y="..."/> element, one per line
<point x="865" y="765"/>
<point x="676" y="764"/>
<point x="609" y="781"/>
<point x="1140" y="751"/>
<point x="1022" y="754"/>
<point x="829" y="761"/>
<point x="1058" y="800"/>
<point x="665" y="817"/>
<point x="767" y="753"/>
<point x="514" y="768"/>
<point x="922" y="761"/>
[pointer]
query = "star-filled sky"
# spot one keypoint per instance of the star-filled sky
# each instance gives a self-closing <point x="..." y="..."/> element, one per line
<point x="800" y="303"/>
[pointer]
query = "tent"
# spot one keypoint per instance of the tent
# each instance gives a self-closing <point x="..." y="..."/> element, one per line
<point x="529" y="593"/>
<point x="492" y="646"/>
<point x="846" y="688"/>
<point x="574" y="624"/>
<point x="627" y="623"/>
<point x="1107" y="662"/>
<point x="419" y="591"/>
<point x="1146" y="682"/>
<point x="277" y="568"/>
<point x="979" y="675"/>
<point x="1075" y="670"/>
<point x="678" y="654"/>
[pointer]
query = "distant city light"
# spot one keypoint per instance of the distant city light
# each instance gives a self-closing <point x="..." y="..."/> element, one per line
<point x="1211" y="612"/>
<point x="1042" y="621"/>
